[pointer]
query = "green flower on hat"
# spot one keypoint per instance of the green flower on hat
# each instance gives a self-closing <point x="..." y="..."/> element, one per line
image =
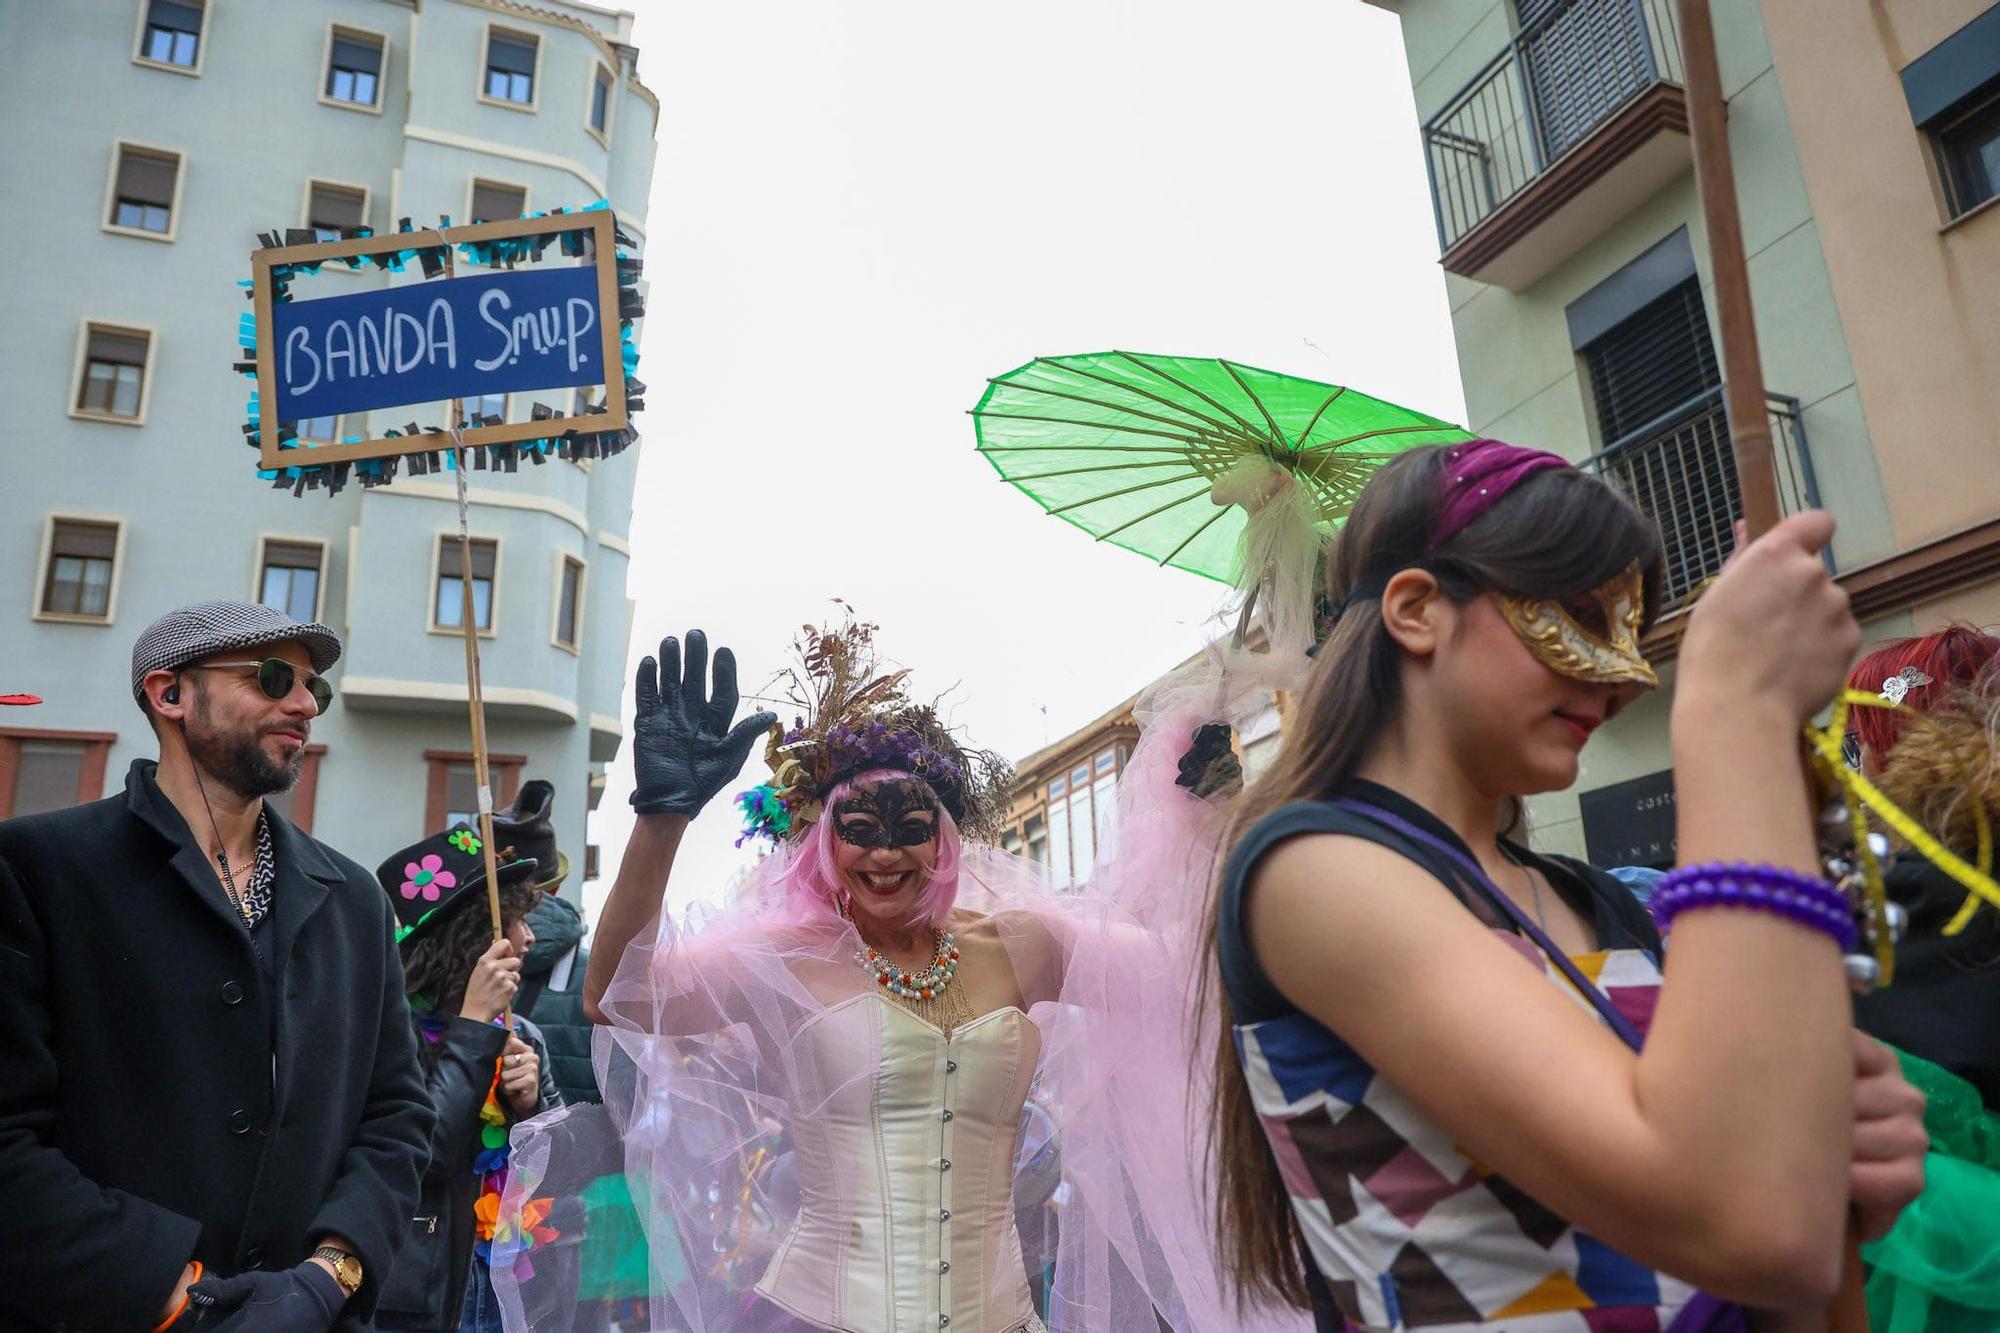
<point x="466" y="841"/>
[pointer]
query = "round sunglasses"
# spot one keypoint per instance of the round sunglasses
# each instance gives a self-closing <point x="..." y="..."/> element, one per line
<point x="276" y="677"/>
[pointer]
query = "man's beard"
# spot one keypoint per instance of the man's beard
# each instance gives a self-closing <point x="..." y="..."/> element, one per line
<point x="238" y="761"/>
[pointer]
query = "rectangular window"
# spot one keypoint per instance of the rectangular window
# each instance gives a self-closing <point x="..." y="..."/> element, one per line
<point x="81" y="558"/>
<point x="451" y="583"/>
<point x="1655" y="361"/>
<point x="510" y="67"/>
<point x="142" y="192"/>
<point x="1059" y="841"/>
<point x="600" y="99"/>
<point x="334" y="210"/>
<point x="569" y="602"/>
<point x="452" y="790"/>
<point x="326" y="430"/>
<point x="354" y="68"/>
<point x="290" y="578"/>
<point x="1968" y="150"/>
<point x="492" y="202"/>
<point x="461" y="795"/>
<point x="173" y="33"/>
<point x="591" y="854"/>
<point x="485" y="405"/>
<point x="47" y="776"/>
<point x="1036" y="830"/>
<point x="114" y="372"/>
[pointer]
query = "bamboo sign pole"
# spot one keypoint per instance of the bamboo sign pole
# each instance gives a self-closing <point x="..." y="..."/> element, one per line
<point x="475" y="697"/>
<point x="1743" y="387"/>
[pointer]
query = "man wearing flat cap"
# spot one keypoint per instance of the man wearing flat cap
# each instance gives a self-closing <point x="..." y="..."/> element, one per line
<point x="211" y="1112"/>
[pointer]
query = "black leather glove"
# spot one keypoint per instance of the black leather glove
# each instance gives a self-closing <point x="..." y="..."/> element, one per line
<point x="683" y="748"/>
<point x="305" y="1299"/>
<point x="1210" y="765"/>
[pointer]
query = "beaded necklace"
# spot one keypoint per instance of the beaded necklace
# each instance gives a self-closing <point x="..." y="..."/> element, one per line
<point x="928" y="992"/>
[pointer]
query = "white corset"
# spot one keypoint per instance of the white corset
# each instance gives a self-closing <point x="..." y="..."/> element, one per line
<point x="906" y="1179"/>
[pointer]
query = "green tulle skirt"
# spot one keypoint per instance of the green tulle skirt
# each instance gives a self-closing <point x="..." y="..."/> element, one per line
<point x="1938" y="1269"/>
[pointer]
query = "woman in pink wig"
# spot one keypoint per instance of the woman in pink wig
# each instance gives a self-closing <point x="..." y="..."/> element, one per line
<point x="818" y="1095"/>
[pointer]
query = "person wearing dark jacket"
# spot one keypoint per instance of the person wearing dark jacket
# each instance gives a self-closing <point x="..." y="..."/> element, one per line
<point x="482" y="1077"/>
<point x="552" y="974"/>
<point x="211" y="1112"/>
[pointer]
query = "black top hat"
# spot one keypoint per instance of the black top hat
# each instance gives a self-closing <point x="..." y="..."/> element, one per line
<point x="527" y="828"/>
<point x="427" y="879"/>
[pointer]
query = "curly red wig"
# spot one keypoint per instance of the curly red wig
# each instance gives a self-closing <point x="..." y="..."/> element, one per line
<point x="1952" y="657"/>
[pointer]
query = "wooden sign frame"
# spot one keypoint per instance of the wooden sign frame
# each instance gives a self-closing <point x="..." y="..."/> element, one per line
<point x="601" y="227"/>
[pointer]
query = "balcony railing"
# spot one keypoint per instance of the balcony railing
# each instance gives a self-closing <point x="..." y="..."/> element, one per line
<point x="1681" y="470"/>
<point x="1572" y="66"/>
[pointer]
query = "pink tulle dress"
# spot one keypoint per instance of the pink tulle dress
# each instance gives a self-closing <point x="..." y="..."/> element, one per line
<point x="782" y="1146"/>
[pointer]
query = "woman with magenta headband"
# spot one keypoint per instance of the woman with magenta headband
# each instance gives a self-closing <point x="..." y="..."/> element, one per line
<point x="1458" y="1093"/>
<point x="823" y="1087"/>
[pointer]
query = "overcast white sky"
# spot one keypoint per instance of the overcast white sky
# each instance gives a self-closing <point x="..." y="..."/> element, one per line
<point x="862" y="209"/>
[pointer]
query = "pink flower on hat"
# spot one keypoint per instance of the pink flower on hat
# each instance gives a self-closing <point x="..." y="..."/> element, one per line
<point x="428" y="877"/>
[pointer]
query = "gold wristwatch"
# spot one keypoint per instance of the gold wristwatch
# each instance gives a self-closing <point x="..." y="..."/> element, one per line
<point x="346" y="1268"/>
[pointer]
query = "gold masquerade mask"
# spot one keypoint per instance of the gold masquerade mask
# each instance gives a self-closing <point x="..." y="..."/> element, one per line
<point x="1593" y="638"/>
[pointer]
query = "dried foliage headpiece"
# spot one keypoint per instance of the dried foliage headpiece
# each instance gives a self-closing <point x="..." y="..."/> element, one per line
<point x="855" y="717"/>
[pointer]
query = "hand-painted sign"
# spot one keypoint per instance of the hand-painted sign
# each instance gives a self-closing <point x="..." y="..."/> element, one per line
<point x="498" y="332"/>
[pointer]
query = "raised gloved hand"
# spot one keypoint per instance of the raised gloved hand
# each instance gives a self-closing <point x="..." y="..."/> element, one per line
<point x="305" y="1299"/>
<point x="683" y="748"/>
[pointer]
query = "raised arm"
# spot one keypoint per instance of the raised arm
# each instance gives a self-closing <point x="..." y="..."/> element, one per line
<point x="1721" y="1152"/>
<point x="684" y="751"/>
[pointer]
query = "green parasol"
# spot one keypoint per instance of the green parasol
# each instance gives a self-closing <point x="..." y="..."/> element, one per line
<point x="1162" y="454"/>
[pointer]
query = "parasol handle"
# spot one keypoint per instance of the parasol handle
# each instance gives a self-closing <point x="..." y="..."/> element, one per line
<point x="1743" y="389"/>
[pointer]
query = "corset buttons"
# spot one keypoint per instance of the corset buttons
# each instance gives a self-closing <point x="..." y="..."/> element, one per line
<point x="944" y="1164"/>
<point x="945" y="1114"/>
<point x="944" y="1265"/>
<point x="944" y="1320"/>
<point x="944" y="1214"/>
<point x="951" y="1066"/>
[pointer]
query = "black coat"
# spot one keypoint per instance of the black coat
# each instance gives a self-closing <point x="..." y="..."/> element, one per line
<point x="160" y="1101"/>
<point x="1945" y="1002"/>
<point x="427" y="1287"/>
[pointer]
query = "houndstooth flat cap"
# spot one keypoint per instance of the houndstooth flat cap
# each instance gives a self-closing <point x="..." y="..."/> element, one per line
<point x="197" y="631"/>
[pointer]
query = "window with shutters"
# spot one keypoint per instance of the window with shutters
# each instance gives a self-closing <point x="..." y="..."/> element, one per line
<point x="1656" y="386"/>
<point x="496" y="201"/>
<point x="145" y="183"/>
<point x="1954" y="94"/>
<point x="447" y="606"/>
<point x="289" y="575"/>
<point x="569" y="603"/>
<point x="170" y="35"/>
<point x="511" y="61"/>
<point x="43" y="770"/>
<point x="1655" y="362"/>
<point x="335" y="211"/>
<point x="79" y="574"/>
<point x="111" y="379"/>
<point x="354" y="61"/>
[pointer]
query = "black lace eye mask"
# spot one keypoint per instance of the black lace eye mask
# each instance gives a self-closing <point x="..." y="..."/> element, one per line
<point x="904" y="814"/>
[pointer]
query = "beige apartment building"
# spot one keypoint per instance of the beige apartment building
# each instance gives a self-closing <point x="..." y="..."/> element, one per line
<point x="1866" y="140"/>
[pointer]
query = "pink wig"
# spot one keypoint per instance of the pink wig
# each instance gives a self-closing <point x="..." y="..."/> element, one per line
<point x="811" y="882"/>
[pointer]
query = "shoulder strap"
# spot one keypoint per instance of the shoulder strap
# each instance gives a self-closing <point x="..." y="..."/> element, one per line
<point x="1598" y="999"/>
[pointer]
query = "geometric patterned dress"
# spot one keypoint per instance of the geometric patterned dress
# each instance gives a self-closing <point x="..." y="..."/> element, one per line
<point x="1405" y="1229"/>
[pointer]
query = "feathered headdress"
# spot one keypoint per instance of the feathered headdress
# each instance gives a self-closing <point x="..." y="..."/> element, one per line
<point x="855" y="717"/>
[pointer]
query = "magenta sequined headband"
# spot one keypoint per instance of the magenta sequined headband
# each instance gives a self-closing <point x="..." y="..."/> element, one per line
<point x="1477" y="476"/>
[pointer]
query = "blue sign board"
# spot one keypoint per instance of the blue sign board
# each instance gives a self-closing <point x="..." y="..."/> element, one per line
<point x="497" y="332"/>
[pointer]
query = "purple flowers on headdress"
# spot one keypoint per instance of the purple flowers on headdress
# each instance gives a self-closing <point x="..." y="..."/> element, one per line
<point x="878" y="745"/>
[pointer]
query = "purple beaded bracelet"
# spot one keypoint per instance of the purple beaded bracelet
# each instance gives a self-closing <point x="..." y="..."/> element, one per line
<point x="1794" y="895"/>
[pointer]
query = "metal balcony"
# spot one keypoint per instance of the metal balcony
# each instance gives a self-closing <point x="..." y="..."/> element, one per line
<point x="1576" y="121"/>
<point x="1681" y="470"/>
